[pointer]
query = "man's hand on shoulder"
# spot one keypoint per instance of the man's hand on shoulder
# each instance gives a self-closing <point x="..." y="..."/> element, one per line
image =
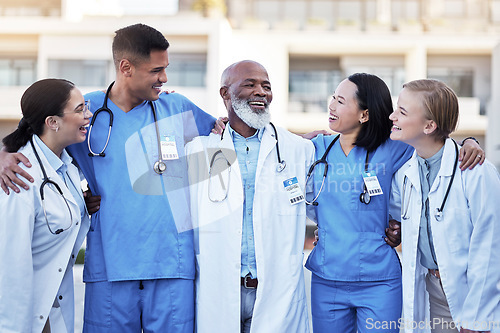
<point x="9" y="168"/>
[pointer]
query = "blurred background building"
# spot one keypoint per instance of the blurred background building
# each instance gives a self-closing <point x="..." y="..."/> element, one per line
<point x="308" y="47"/>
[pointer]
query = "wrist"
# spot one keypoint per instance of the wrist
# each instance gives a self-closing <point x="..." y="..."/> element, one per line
<point x="469" y="138"/>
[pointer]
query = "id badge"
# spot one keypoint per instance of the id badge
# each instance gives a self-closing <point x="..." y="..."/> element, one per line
<point x="168" y="148"/>
<point x="293" y="191"/>
<point x="372" y="184"/>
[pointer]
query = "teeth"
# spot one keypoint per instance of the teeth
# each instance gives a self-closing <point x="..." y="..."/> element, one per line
<point x="257" y="103"/>
<point x="334" y="117"/>
<point x="396" y="127"/>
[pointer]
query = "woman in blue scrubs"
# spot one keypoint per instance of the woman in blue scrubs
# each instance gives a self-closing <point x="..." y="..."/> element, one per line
<point x="356" y="275"/>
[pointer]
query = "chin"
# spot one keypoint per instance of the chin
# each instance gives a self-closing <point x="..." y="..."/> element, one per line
<point x="394" y="136"/>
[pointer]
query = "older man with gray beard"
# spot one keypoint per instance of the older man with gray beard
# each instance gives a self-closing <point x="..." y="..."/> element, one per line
<point x="249" y="214"/>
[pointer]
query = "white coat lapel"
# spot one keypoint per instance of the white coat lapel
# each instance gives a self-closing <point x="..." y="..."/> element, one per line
<point x="413" y="174"/>
<point x="226" y="145"/>
<point x="54" y="176"/>
<point x="447" y="164"/>
<point x="267" y="145"/>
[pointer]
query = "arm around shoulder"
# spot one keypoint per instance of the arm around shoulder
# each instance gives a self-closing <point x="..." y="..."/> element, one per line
<point x="10" y="169"/>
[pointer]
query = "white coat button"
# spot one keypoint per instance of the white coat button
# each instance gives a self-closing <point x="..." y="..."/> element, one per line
<point x="60" y="297"/>
<point x="248" y="162"/>
<point x="60" y="269"/>
<point x="41" y="317"/>
<point x="76" y="223"/>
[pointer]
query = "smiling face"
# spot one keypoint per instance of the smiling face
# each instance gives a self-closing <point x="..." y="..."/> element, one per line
<point x="74" y="121"/>
<point x="410" y="124"/>
<point x="249" y="93"/>
<point x="345" y="114"/>
<point x="147" y="77"/>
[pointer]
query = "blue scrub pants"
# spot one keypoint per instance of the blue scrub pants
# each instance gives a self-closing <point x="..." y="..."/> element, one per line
<point x="163" y="305"/>
<point x="365" y="306"/>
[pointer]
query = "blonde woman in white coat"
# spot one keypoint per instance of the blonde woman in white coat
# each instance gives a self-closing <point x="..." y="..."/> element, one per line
<point x="40" y="238"/>
<point x="450" y="220"/>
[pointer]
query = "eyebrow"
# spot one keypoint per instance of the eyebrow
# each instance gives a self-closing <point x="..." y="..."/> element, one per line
<point x="255" y="80"/>
<point x="402" y="108"/>
<point x="81" y="105"/>
<point x="340" y="96"/>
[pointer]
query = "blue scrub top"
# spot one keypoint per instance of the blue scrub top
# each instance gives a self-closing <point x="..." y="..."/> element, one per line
<point x="143" y="228"/>
<point x="351" y="243"/>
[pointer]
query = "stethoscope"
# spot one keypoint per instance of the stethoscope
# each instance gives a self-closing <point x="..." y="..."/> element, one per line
<point x="159" y="167"/>
<point x="364" y="197"/>
<point x="46" y="181"/>
<point x="279" y="168"/>
<point x="439" y="211"/>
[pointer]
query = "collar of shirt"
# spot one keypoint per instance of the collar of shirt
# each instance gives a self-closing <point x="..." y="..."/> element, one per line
<point x="236" y="136"/>
<point x="431" y="165"/>
<point x="58" y="164"/>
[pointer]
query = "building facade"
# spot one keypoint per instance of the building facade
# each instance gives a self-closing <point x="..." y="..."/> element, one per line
<point x="308" y="46"/>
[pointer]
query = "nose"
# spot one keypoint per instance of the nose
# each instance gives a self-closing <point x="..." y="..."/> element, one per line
<point x="163" y="76"/>
<point x="392" y="116"/>
<point x="87" y="114"/>
<point x="259" y="91"/>
<point x="331" y="106"/>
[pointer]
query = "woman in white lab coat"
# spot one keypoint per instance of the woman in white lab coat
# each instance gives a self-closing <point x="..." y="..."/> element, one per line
<point x="450" y="220"/>
<point x="42" y="229"/>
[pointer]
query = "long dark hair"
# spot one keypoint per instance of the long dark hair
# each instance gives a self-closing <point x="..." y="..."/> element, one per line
<point x="373" y="95"/>
<point x="44" y="98"/>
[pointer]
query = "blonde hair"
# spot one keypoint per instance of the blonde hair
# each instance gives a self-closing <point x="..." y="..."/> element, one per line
<point x="440" y="105"/>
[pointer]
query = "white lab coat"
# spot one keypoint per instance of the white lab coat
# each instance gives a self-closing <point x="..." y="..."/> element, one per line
<point x="466" y="242"/>
<point x="36" y="267"/>
<point x="279" y="232"/>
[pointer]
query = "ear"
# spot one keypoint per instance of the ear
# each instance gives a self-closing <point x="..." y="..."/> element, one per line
<point x="51" y="123"/>
<point x="430" y="127"/>
<point x="224" y="93"/>
<point x="365" y="116"/>
<point x="125" y="67"/>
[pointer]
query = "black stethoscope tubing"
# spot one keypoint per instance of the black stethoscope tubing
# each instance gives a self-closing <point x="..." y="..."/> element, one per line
<point x="46" y="181"/>
<point x="439" y="211"/>
<point x="322" y="160"/>
<point x="103" y="108"/>
<point x="159" y="167"/>
<point x="281" y="163"/>
<point x="364" y="197"/>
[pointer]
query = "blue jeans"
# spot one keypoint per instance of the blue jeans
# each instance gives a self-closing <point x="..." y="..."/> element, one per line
<point x="365" y="306"/>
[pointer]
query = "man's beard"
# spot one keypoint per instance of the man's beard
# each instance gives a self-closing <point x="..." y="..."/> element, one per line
<point x="255" y="119"/>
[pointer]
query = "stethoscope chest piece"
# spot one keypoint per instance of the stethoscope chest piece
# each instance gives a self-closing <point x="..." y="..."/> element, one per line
<point x="159" y="167"/>
<point x="365" y="198"/>
<point x="438" y="215"/>
<point x="281" y="166"/>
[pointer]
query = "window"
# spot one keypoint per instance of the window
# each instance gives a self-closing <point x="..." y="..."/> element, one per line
<point x="187" y="70"/>
<point x="17" y="72"/>
<point x="458" y="79"/>
<point x="311" y="82"/>
<point x="309" y="90"/>
<point x="90" y="73"/>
